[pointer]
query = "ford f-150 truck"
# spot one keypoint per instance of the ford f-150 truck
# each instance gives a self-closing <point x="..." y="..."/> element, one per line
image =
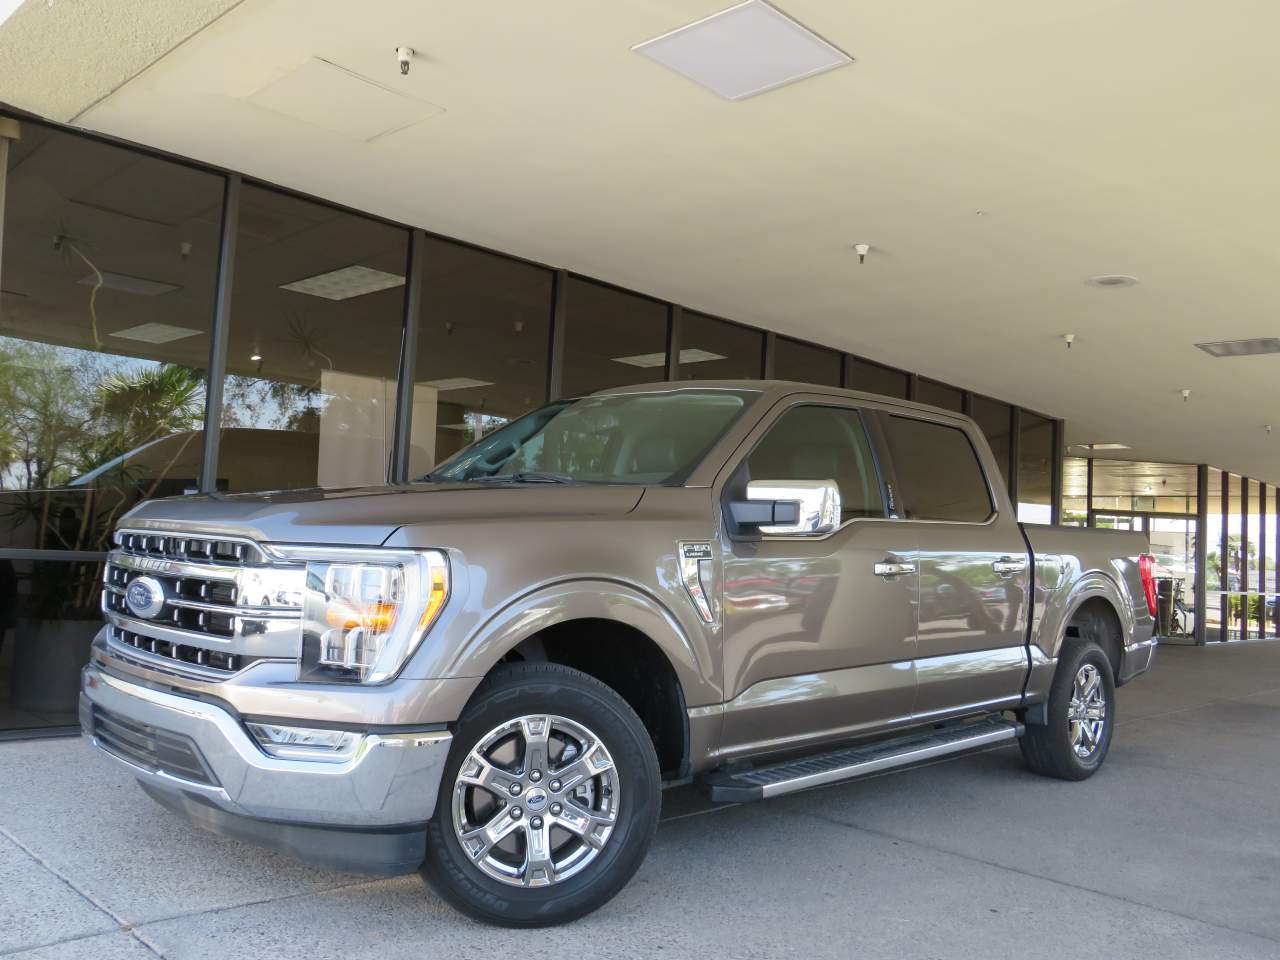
<point x="492" y="673"/>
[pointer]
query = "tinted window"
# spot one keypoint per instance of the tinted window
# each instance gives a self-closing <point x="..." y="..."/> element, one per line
<point x="939" y="395"/>
<point x="794" y="360"/>
<point x="995" y="419"/>
<point x="873" y="378"/>
<point x="937" y="471"/>
<point x="612" y="338"/>
<point x="712" y="349"/>
<point x="822" y="443"/>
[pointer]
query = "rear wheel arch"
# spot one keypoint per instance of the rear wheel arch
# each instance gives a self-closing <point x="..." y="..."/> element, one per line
<point x="1096" y="619"/>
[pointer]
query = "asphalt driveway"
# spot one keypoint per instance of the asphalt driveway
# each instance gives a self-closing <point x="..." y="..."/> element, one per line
<point x="1173" y="850"/>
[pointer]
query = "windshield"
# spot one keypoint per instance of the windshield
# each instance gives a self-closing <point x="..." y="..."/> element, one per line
<point x="641" y="438"/>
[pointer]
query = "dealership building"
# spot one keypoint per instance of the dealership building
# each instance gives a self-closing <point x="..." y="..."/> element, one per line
<point x="279" y="246"/>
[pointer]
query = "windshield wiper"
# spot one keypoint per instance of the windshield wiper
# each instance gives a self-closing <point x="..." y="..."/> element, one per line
<point x="526" y="477"/>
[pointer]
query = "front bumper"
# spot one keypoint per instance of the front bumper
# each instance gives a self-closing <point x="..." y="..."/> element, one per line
<point x="366" y="813"/>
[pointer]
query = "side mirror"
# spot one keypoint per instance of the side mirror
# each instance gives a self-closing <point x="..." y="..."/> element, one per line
<point x="790" y="508"/>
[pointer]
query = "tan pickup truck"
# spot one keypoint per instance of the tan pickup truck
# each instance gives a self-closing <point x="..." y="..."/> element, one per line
<point x="492" y="673"/>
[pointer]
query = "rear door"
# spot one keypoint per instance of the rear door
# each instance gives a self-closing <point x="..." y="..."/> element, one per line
<point x="817" y="643"/>
<point x="973" y="561"/>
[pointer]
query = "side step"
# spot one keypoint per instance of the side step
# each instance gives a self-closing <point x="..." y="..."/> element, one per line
<point x="849" y="763"/>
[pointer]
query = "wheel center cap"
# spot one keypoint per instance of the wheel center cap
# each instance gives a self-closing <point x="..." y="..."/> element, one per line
<point x="535" y="799"/>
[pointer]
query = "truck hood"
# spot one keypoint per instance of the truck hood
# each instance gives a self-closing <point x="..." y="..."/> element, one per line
<point x="367" y="516"/>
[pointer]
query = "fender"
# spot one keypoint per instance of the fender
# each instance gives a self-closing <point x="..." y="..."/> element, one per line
<point x="582" y="599"/>
<point x="1058" y="608"/>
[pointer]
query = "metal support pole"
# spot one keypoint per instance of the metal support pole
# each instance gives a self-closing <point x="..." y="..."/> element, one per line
<point x="675" y="323"/>
<point x="559" y="311"/>
<point x="9" y="130"/>
<point x="1202" y="551"/>
<point x="402" y="436"/>
<point x="221" y="331"/>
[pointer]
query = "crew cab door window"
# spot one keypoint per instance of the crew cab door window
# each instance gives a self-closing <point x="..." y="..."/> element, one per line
<point x="822" y="443"/>
<point x="937" y="471"/>
<point x="974" y="571"/>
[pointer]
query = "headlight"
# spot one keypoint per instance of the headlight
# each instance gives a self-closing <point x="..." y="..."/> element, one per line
<point x="364" y="612"/>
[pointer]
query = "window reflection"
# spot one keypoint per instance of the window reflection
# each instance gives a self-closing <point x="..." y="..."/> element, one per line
<point x="612" y="338"/>
<point x="482" y="348"/>
<point x="806" y="363"/>
<point x="313" y="351"/>
<point x="105" y="317"/>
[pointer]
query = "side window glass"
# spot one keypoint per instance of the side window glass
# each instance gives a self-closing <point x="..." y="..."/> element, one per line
<point x="822" y="443"/>
<point x="937" y="470"/>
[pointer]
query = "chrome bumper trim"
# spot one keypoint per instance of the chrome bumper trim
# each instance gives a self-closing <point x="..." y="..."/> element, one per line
<point x="391" y="781"/>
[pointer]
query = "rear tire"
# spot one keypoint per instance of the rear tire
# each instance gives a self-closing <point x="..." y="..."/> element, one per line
<point x="1081" y="714"/>
<point x="528" y="732"/>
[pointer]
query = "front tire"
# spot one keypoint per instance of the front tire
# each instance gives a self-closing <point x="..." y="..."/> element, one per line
<point x="1081" y="714"/>
<point x="548" y="802"/>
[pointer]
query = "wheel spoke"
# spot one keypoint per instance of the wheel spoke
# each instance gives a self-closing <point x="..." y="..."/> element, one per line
<point x="537" y="731"/>
<point x="591" y="826"/>
<point x="478" y="772"/>
<point x="539" y="870"/>
<point x="480" y="841"/>
<point x="593" y="761"/>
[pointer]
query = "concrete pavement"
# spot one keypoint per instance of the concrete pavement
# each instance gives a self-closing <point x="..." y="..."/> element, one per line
<point x="1173" y="850"/>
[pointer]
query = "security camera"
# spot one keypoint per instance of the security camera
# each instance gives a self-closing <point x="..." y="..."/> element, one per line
<point x="404" y="55"/>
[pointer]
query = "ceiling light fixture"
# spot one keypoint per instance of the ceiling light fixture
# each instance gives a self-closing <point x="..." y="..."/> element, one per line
<point x="1070" y="338"/>
<point x="155" y="333"/>
<point x="648" y="360"/>
<point x="455" y="383"/>
<point x="127" y="284"/>
<point x="255" y="357"/>
<point x="1186" y="395"/>
<point x="345" y="283"/>
<point x="1112" y="280"/>
<point x="862" y="249"/>
<point x="1241" y="348"/>
<point x="744" y="50"/>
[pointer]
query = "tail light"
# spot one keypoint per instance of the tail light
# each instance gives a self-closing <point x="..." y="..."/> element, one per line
<point x="1146" y="564"/>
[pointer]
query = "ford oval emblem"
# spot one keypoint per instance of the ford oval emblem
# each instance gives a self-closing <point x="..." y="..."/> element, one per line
<point x="145" y="597"/>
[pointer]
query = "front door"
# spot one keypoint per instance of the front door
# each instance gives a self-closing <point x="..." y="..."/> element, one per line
<point x="817" y="643"/>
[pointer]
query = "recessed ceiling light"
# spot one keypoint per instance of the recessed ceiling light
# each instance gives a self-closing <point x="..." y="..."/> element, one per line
<point x="128" y="284"/>
<point x="455" y="383"/>
<point x="1241" y="348"/>
<point x="659" y="359"/>
<point x="345" y="283"/>
<point x="1112" y="280"/>
<point x="256" y="357"/>
<point x="744" y="50"/>
<point x="156" y="333"/>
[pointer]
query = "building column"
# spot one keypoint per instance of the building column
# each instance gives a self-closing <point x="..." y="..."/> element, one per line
<point x="1201" y="598"/>
<point x="9" y="130"/>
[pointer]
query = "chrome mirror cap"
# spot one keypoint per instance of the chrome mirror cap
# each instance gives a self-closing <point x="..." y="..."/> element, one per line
<point x="819" y="502"/>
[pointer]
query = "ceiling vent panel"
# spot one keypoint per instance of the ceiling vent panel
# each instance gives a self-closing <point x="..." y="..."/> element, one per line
<point x="325" y="95"/>
<point x="744" y="50"/>
<point x="1241" y="348"/>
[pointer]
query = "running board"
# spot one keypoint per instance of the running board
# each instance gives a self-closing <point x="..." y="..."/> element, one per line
<point x="850" y="763"/>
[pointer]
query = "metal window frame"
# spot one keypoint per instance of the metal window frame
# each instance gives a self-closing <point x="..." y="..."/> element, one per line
<point x="223" y="289"/>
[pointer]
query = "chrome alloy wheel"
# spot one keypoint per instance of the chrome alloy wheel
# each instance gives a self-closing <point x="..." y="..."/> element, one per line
<point x="1087" y="712"/>
<point x="535" y="800"/>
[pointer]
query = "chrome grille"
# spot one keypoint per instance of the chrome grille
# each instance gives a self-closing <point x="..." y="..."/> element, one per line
<point x="227" y="603"/>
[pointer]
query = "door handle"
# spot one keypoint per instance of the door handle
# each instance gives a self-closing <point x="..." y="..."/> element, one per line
<point x="893" y="568"/>
<point x="1008" y="566"/>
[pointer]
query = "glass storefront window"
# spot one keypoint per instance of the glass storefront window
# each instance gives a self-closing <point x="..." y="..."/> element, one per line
<point x="109" y="265"/>
<point x="996" y="420"/>
<point x="1035" y="469"/>
<point x="317" y="312"/>
<point x="712" y="349"/>
<point x="482" y="348"/>
<point x="939" y="395"/>
<point x="876" y="378"/>
<point x="612" y="338"/>
<point x="805" y="363"/>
